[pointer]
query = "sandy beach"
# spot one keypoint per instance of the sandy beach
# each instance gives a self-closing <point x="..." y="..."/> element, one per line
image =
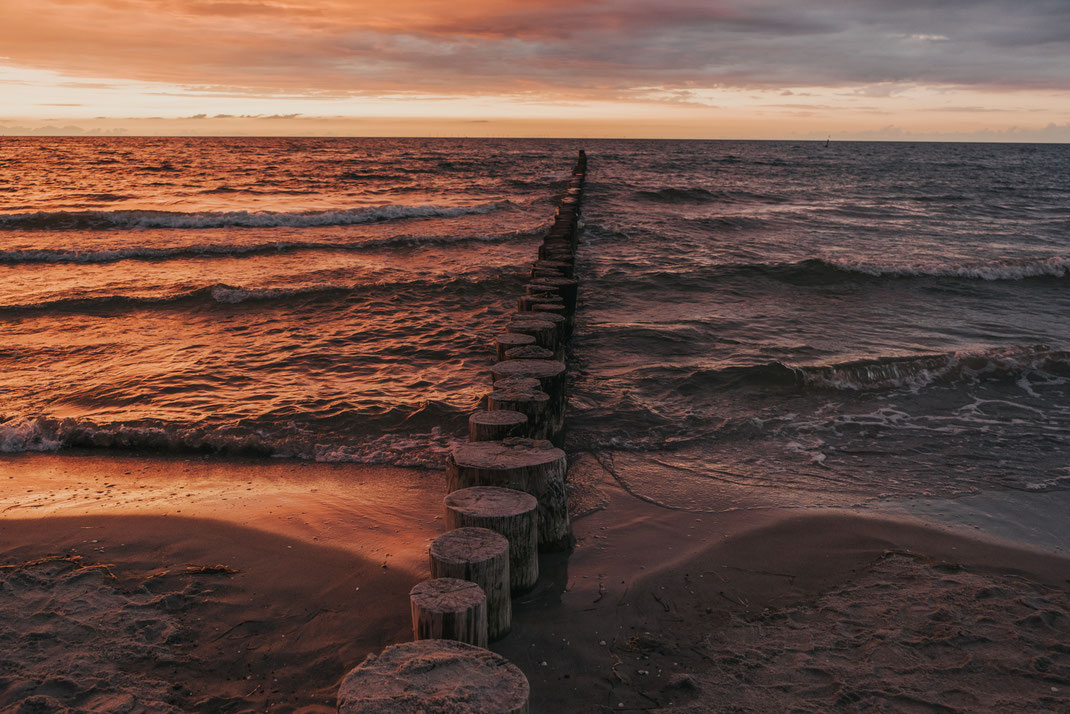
<point x="136" y="584"/>
<point x="298" y="572"/>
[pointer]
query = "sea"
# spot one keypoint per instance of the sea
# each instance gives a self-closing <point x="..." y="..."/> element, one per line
<point x="776" y="323"/>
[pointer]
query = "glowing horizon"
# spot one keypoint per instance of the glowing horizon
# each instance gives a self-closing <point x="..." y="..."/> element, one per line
<point x="616" y="68"/>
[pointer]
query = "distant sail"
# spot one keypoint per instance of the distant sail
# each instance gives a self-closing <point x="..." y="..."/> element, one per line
<point x="827" y="141"/>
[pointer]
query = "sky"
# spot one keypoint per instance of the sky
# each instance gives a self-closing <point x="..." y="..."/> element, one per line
<point x="977" y="70"/>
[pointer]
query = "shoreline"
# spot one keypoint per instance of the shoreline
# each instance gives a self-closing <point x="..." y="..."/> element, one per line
<point x="322" y="555"/>
<point x="280" y="632"/>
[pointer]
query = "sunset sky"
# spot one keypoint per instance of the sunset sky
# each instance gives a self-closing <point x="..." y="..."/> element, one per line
<point x="910" y="69"/>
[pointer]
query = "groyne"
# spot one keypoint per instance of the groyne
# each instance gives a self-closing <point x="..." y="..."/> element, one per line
<point x="506" y="502"/>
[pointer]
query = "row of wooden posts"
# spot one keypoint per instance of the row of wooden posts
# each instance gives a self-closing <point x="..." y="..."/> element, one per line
<point x="506" y="501"/>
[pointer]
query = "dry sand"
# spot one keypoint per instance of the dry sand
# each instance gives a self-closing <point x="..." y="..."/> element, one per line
<point x="137" y="584"/>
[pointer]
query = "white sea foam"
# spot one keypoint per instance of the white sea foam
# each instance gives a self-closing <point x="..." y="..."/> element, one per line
<point x="423" y="450"/>
<point x="27" y="435"/>
<point x="916" y="372"/>
<point x="1054" y="266"/>
<point x="232" y="295"/>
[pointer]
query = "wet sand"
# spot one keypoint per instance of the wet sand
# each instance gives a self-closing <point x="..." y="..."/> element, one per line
<point x="322" y="557"/>
<point x="656" y="609"/>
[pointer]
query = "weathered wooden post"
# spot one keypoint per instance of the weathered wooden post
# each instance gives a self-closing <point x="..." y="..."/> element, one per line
<point x="524" y="303"/>
<point x="509" y="512"/>
<point x="529" y="401"/>
<point x="482" y="556"/>
<point x="434" y="676"/>
<point x="550" y="373"/>
<point x="528" y="352"/>
<point x="449" y="609"/>
<point x="497" y="425"/>
<point x="534" y="466"/>
<point x="552" y="379"/>
<point x="545" y="332"/>
<point x="510" y="340"/>
<point x="517" y="383"/>
<point x="559" y="320"/>
<point x="565" y="287"/>
<point x="560" y="267"/>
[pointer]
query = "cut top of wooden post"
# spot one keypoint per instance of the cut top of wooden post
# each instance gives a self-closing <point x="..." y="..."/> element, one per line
<point x="528" y="352"/>
<point x="517" y="383"/>
<point x="558" y="320"/>
<point x="462" y="546"/>
<point x="502" y="417"/>
<point x="491" y="501"/>
<point x="506" y="454"/>
<point x="536" y="368"/>
<point x="447" y="595"/>
<point x="514" y="339"/>
<point x="434" y="676"/>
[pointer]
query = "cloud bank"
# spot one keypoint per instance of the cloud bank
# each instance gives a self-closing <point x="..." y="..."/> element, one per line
<point x="605" y="48"/>
<point x="971" y="66"/>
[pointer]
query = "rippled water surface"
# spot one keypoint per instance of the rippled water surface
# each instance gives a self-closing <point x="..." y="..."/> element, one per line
<point x="325" y="299"/>
<point x="819" y="325"/>
<point x="827" y="325"/>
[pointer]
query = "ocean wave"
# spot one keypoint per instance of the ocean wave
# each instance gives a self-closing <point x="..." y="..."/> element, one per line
<point x="223" y="294"/>
<point x="424" y="450"/>
<point x="820" y="271"/>
<point x="258" y="192"/>
<point x="219" y="293"/>
<point x="106" y="197"/>
<point x="1018" y="269"/>
<point x="102" y="220"/>
<point x="675" y="195"/>
<point x="224" y="250"/>
<point x="1009" y="363"/>
<point x="887" y="373"/>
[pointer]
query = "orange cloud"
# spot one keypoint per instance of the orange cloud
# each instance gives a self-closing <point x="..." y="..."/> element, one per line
<point x="564" y="46"/>
<point x="182" y="57"/>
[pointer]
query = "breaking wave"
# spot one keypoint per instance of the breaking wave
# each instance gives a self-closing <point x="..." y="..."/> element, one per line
<point x="818" y="271"/>
<point x="221" y="293"/>
<point x="425" y="449"/>
<point x="672" y="195"/>
<point x="100" y="220"/>
<point x="224" y="250"/>
<point x="887" y="373"/>
<point x="1055" y="267"/>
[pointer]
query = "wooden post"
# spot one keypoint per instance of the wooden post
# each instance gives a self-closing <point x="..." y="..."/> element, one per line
<point x="544" y="331"/>
<point x="497" y="425"/>
<point x="565" y="287"/>
<point x="529" y="352"/>
<point x="550" y="373"/>
<point x="552" y="379"/>
<point x="534" y="466"/>
<point x="449" y="609"/>
<point x="509" y="512"/>
<point x="510" y="340"/>
<point x="556" y="308"/>
<point x="528" y="383"/>
<point x="434" y="676"/>
<point x="553" y="248"/>
<point x="482" y="556"/>
<point x="563" y="267"/>
<point x="531" y="402"/>
<point x="524" y="303"/>
<point x="558" y="320"/>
